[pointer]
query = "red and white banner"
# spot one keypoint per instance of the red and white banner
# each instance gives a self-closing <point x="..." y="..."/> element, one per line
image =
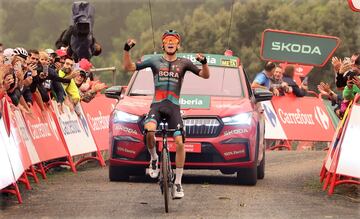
<point x="75" y="130"/>
<point x="97" y="113"/>
<point x="44" y="134"/>
<point x="6" y="174"/>
<point x="273" y="128"/>
<point x="13" y="151"/>
<point x="304" y="119"/>
<point x="349" y="161"/>
<point x="18" y="141"/>
<point x="25" y="136"/>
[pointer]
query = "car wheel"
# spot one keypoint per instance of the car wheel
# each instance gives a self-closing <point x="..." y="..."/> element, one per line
<point x="247" y="176"/>
<point x="261" y="168"/>
<point x="118" y="173"/>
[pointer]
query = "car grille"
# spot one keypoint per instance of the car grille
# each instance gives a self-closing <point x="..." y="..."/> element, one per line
<point x="197" y="127"/>
<point x="202" y="127"/>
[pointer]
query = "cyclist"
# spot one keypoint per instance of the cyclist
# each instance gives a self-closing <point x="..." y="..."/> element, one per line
<point x="168" y="73"/>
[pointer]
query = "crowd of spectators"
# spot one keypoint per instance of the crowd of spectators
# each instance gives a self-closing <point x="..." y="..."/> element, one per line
<point x="28" y="76"/>
<point x="347" y="80"/>
<point x="279" y="81"/>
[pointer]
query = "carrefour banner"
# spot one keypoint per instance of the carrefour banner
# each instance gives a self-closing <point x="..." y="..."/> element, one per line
<point x="26" y="137"/>
<point x="75" y="130"/>
<point x="18" y="141"/>
<point x="273" y="128"/>
<point x="303" y="118"/>
<point x="44" y="134"/>
<point x="97" y="113"/>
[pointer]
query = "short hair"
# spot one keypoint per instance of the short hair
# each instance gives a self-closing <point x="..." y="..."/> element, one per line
<point x="289" y="71"/>
<point x="269" y="66"/>
<point x="33" y="51"/>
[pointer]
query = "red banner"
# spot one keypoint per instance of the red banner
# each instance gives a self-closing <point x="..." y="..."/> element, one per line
<point x="304" y="118"/>
<point x="97" y="113"/>
<point x="44" y="133"/>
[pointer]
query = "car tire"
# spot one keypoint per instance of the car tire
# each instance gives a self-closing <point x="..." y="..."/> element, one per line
<point x="118" y="173"/>
<point x="261" y="168"/>
<point x="247" y="176"/>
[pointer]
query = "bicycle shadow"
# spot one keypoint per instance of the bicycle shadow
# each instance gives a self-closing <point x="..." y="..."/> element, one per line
<point x="194" y="178"/>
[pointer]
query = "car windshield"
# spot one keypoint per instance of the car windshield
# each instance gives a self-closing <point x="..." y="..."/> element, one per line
<point x="222" y="82"/>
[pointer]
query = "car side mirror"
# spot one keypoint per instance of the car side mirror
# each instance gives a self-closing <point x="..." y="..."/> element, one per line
<point x="115" y="92"/>
<point x="262" y="94"/>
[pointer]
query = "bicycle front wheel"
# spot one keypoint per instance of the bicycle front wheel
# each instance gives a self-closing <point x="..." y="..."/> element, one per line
<point x="165" y="173"/>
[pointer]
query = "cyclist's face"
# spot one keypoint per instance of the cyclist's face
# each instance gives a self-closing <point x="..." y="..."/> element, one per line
<point x="171" y="44"/>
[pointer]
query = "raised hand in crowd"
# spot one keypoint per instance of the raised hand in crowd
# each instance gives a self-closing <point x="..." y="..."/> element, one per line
<point x="98" y="86"/>
<point x="73" y="74"/>
<point x="356" y="81"/>
<point x="345" y="66"/>
<point x="8" y="81"/>
<point x="32" y="68"/>
<point x="336" y="63"/>
<point x="324" y="88"/>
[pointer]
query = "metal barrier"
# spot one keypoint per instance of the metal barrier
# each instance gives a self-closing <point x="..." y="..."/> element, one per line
<point x="113" y="69"/>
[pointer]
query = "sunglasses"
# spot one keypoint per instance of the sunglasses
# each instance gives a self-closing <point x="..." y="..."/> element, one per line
<point x="170" y="39"/>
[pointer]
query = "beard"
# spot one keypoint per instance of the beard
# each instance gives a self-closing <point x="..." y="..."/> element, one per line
<point x="66" y="70"/>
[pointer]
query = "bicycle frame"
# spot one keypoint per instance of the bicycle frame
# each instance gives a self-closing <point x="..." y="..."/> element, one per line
<point x="166" y="176"/>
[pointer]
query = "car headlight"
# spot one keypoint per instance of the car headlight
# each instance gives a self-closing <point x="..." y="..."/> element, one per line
<point x="121" y="116"/>
<point x="240" y="119"/>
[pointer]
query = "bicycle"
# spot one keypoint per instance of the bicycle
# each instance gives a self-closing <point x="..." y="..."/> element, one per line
<point x="166" y="177"/>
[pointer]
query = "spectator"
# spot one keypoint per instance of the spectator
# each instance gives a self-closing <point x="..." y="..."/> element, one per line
<point x="341" y="67"/>
<point x="289" y="79"/>
<point x="88" y="89"/>
<point x="277" y="86"/>
<point x="324" y="89"/>
<point x="352" y="85"/>
<point x="71" y="89"/>
<point x="262" y="79"/>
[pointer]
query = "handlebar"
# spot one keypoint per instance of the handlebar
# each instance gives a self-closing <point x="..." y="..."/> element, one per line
<point x="163" y="128"/>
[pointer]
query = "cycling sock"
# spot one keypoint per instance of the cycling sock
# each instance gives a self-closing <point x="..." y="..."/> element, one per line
<point x="153" y="153"/>
<point x="179" y="173"/>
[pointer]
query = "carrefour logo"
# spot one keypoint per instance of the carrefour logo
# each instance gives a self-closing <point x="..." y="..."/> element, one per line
<point x="322" y="118"/>
<point x="300" y="118"/>
<point x="270" y="115"/>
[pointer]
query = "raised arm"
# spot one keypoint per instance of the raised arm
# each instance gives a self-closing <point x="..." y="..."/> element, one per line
<point x="204" y="73"/>
<point x="127" y="63"/>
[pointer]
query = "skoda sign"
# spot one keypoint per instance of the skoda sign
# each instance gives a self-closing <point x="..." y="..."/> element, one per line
<point x="300" y="48"/>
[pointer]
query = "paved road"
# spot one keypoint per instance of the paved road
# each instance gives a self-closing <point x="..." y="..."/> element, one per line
<point x="290" y="190"/>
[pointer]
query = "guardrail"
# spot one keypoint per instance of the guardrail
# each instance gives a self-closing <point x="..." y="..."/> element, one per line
<point x="113" y="69"/>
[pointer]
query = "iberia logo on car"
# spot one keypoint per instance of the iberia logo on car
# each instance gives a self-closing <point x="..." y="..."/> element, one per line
<point x="303" y="118"/>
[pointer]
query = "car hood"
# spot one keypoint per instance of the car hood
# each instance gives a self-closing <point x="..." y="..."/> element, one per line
<point x="219" y="106"/>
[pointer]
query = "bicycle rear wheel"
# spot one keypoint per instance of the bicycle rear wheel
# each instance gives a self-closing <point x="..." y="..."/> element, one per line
<point x="165" y="174"/>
